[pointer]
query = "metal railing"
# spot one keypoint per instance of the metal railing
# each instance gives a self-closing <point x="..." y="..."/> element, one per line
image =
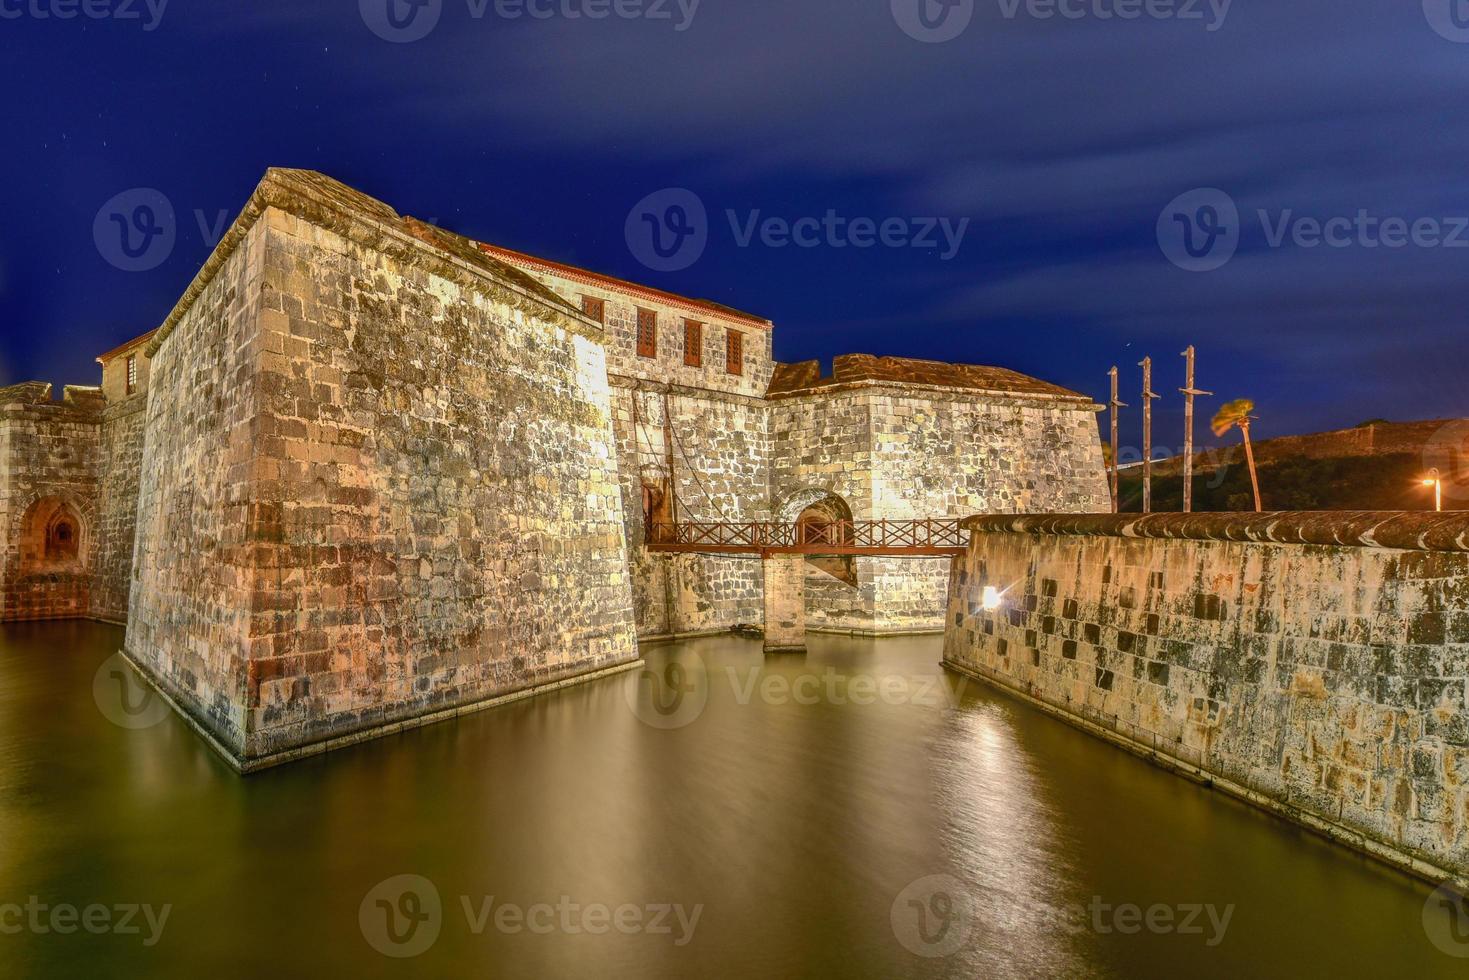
<point x="919" y="537"/>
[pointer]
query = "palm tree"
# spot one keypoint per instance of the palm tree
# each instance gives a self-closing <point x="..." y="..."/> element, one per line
<point x="1238" y="414"/>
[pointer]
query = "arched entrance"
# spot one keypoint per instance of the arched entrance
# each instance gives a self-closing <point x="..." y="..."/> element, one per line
<point x="52" y="535"/>
<point x="823" y="518"/>
<point x="48" y="578"/>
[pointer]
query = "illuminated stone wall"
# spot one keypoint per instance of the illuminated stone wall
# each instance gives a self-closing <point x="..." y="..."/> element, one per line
<point x="1314" y="664"/>
<point x="900" y="452"/>
<point x="119" y="469"/>
<point x="379" y="484"/>
<point x="706" y="426"/>
<point x="48" y="481"/>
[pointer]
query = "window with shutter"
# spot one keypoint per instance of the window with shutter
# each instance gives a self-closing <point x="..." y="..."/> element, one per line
<point x="693" y="343"/>
<point x="734" y="352"/>
<point x="647" y="333"/>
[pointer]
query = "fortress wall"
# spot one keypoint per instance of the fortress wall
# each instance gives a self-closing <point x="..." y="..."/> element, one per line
<point x="722" y="463"/>
<point x="194" y="558"/>
<point x="439" y="520"/>
<point x="1313" y="664"/>
<point x="721" y="432"/>
<point x="823" y="441"/>
<point x="943" y="454"/>
<point x="725" y="441"/>
<point x="379" y="484"/>
<point x="119" y="470"/>
<point x="621" y="302"/>
<point x="50" y="454"/>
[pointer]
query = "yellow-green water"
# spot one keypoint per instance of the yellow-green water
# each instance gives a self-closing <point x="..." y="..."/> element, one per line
<point x="795" y="812"/>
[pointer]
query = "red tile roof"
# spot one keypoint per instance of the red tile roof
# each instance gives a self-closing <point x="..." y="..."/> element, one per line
<point x="587" y="277"/>
<point x="124" y="348"/>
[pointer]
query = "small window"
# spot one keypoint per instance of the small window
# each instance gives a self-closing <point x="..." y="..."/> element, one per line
<point x="693" y="343"/>
<point x="734" y="352"/>
<point x="596" y="309"/>
<point x="132" y="368"/>
<point x="647" y="333"/>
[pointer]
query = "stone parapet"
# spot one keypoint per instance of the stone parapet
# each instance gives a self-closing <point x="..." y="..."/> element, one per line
<point x="1405" y="530"/>
<point x="1316" y="665"/>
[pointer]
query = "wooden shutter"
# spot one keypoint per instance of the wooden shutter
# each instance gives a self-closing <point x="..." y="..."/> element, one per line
<point x="647" y="333"/>
<point x="693" y="343"/>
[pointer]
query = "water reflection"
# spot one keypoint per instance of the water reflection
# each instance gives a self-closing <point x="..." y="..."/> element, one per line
<point x="836" y="814"/>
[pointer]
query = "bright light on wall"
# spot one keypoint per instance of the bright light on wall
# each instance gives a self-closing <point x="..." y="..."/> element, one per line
<point x="992" y="598"/>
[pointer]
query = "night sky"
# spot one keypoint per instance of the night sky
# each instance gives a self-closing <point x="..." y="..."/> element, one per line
<point x="1062" y="140"/>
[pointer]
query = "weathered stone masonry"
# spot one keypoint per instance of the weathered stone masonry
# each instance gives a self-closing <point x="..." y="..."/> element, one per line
<point x="377" y="484"/>
<point x="884" y="438"/>
<point x="1315" y="664"/>
<point x="369" y="473"/>
<point x="48" y="500"/>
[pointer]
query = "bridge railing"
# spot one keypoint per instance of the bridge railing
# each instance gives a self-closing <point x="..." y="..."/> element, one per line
<point x="892" y="536"/>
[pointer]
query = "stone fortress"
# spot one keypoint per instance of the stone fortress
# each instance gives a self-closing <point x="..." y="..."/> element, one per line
<point x="369" y="474"/>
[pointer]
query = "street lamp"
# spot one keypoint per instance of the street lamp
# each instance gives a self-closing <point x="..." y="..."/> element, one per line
<point x="1435" y="480"/>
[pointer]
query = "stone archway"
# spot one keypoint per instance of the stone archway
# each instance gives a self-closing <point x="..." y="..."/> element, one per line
<point x="53" y="535"/>
<point x="822" y="517"/>
<point x="47" y="576"/>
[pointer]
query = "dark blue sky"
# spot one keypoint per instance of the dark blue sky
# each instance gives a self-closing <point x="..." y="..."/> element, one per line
<point x="1062" y="140"/>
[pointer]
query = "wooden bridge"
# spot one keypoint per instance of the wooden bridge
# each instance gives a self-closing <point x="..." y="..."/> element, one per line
<point x="927" y="538"/>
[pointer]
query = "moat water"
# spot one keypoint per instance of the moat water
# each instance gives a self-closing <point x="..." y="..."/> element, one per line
<point x="853" y="812"/>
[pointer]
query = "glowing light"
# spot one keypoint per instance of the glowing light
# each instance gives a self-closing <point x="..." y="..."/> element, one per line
<point x="992" y="598"/>
<point x="1435" y="480"/>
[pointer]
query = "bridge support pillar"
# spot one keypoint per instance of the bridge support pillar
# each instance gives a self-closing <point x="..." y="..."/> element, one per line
<point x="785" y="603"/>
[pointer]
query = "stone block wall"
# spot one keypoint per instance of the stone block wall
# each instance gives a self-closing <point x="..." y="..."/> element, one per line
<point x="119" y="469"/>
<point x="390" y="477"/>
<point x="621" y="301"/>
<point x="720" y="441"/>
<point x="895" y="452"/>
<point x="822" y="443"/>
<point x="943" y="454"/>
<point x="1315" y="664"/>
<point x="48" y="479"/>
<point x="718" y="449"/>
<point x="199" y="515"/>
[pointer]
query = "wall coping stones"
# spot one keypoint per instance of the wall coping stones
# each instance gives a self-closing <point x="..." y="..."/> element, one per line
<point x="26" y="393"/>
<point x="327" y="203"/>
<point x="853" y="370"/>
<point x="1401" y="530"/>
<point x="937" y="393"/>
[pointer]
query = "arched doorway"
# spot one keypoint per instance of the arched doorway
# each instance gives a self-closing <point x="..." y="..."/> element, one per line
<point x="63" y="537"/>
<point x="49" y="578"/>
<point x="823" y="518"/>
<point x="52" y="535"/>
